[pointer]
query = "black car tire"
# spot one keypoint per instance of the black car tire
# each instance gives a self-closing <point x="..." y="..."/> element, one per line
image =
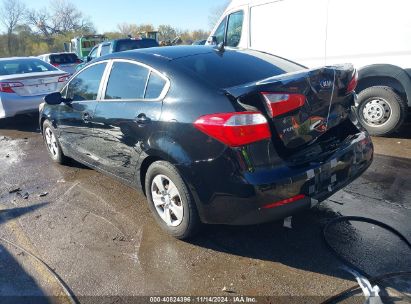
<point x="56" y="154"/>
<point x="190" y="223"/>
<point x="396" y="104"/>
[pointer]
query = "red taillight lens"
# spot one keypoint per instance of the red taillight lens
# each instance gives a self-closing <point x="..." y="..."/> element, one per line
<point x="353" y="83"/>
<point x="64" y="78"/>
<point x="279" y="103"/>
<point x="7" y="87"/>
<point x="55" y="64"/>
<point x="78" y="61"/>
<point x="235" y="129"/>
<point x="284" y="202"/>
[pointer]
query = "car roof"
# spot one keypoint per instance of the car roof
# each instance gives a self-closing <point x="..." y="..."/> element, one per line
<point x="167" y="53"/>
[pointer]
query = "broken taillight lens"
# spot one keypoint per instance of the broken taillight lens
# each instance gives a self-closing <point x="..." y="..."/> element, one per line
<point x="281" y="103"/>
<point x="235" y="129"/>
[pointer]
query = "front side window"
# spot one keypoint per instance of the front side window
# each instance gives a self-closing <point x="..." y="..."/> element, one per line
<point x="105" y="49"/>
<point x="127" y="81"/>
<point x="234" y="29"/>
<point x="220" y="32"/>
<point x="93" y="53"/>
<point x="86" y="84"/>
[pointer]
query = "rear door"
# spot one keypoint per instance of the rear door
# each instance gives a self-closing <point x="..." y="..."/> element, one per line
<point x="126" y="116"/>
<point x="74" y="119"/>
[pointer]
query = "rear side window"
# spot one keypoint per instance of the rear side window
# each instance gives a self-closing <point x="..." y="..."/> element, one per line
<point x="127" y="81"/>
<point x="233" y="68"/>
<point x="86" y="84"/>
<point x="155" y="86"/>
<point x="234" y="29"/>
<point x="63" y="58"/>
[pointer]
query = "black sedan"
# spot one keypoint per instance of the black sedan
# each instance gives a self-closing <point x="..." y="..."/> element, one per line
<point x="212" y="135"/>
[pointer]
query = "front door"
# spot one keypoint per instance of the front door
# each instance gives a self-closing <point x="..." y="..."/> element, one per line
<point x="74" y="118"/>
<point x="126" y="116"/>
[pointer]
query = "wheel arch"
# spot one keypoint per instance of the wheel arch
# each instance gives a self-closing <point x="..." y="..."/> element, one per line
<point x="162" y="147"/>
<point x="385" y="75"/>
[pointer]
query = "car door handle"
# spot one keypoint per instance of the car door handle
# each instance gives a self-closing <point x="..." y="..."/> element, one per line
<point x="86" y="117"/>
<point x="142" y="119"/>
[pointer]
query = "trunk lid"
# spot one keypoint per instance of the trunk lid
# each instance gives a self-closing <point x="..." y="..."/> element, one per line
<point x="325" y="102"/>
<point x="34" y="84"/>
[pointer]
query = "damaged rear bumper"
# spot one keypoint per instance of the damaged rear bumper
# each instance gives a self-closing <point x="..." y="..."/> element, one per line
<point x="249" y="202"/>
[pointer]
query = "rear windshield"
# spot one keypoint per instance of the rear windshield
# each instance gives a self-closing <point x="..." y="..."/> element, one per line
<point x="63" y="58"/>
<point x="233" y="68"/>
<point x="126" y="45"/>
<point x="21" y="66"/>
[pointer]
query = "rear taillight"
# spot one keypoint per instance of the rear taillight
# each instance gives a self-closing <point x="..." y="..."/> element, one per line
<point x="7" y="87"/>
<point x="55" y="64"/>
<point x="353" y="83"/>
<point x="78" y="61"/>
<point x="235" y="129"/>
<point x="281" y="103"/>
<point x="64" y="78"/>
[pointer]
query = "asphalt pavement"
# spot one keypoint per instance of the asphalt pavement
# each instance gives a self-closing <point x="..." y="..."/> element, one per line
<point x="68" y="230"/>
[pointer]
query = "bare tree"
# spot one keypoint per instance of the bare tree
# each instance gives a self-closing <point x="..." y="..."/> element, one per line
<point x="66" y="17"/>
<point x="12" y="12"/>
<point x="166" y="33"/>
<point x="63" y="18"/>
<point x="134" y="30"/>
<point x="127" y="29"/>
<point x="216" y="12"/>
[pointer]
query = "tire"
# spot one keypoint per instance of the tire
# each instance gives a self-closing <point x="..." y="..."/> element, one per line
<point x="380" y="110"/>
<point x="176" y="213"/>
<point x="52" y="144"/>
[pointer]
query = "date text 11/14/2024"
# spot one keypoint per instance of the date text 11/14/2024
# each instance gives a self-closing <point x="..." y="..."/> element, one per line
<point x="203" y="299"/>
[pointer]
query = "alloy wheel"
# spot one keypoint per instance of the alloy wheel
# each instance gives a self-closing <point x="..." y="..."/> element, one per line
<point x="167" y="200"/>
<point x="51" y="142"/>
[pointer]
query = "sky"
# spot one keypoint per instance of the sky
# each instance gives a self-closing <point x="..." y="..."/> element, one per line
<point x="106" y="14"/>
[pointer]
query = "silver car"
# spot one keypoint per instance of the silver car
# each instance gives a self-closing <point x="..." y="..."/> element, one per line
<point x="24" y="82"/>
<point x="64" y="61"/>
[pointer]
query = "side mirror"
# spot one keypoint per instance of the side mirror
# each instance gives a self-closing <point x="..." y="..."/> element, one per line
<point x="53" y="98"/>
<point x="212" y="40"/>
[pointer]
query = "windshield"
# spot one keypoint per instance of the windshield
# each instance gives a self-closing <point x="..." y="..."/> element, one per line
<point x="22" y="66"/>
<point x="233" y="68"/>
<point x="125" y="45"/>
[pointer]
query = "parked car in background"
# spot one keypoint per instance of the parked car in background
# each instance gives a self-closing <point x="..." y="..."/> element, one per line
<point x="24" y="82"/>
<point x="64" y="61"/>
<point x="200" y="42"/>
<point x="119" y="45"/>
<point x="381" y="51"/>
<point x="212" y="135"/>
